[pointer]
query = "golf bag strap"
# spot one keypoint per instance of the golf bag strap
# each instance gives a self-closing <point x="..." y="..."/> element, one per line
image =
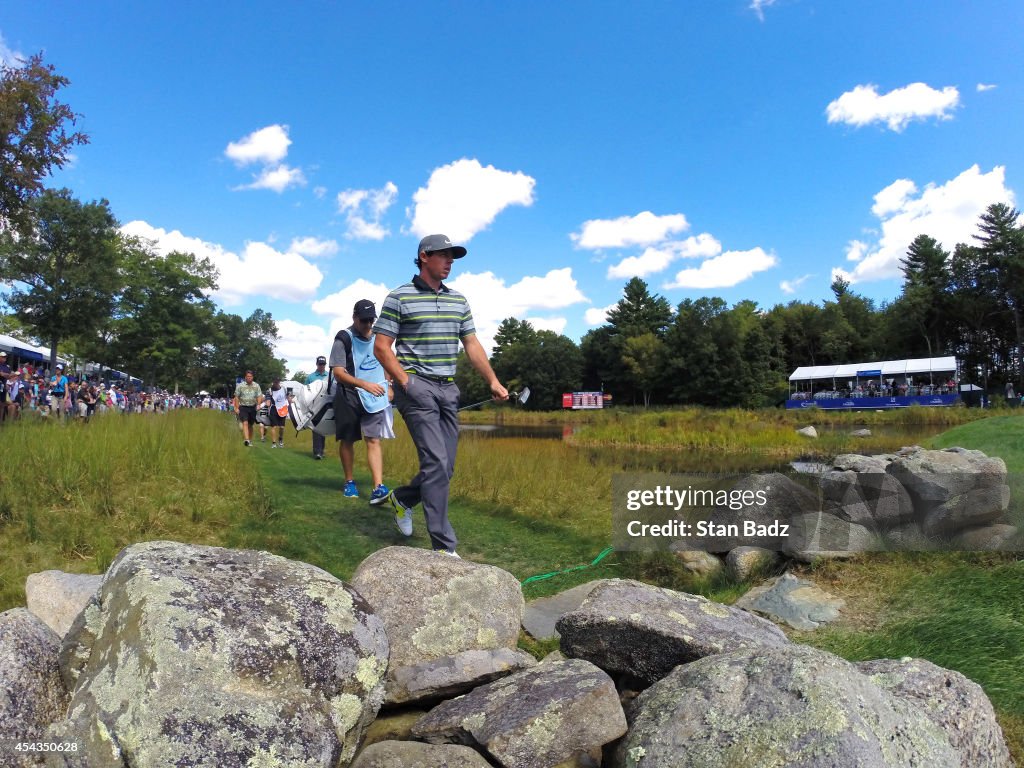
<point x="345" y="337"/>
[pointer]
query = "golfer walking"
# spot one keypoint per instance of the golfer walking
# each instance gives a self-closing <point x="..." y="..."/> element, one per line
<point x="424" y="320"/>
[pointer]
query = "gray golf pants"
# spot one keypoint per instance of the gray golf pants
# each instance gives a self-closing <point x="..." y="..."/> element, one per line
<point x="430" y="411"/>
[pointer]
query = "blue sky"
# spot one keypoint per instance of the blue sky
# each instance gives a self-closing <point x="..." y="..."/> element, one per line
<point x="748" y="150"/>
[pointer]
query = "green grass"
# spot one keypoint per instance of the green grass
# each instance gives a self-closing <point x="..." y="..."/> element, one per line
<point x="71" y="497"/>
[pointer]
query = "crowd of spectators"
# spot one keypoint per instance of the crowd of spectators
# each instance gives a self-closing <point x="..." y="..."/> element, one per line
<point x="40" y="393"/>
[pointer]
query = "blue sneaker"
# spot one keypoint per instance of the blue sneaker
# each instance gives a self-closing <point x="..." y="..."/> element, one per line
<point x="379" y="495"/>
<point x="403" y="515"/>
<point x="350" y="490"/>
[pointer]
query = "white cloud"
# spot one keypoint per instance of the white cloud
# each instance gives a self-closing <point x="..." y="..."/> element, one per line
<point x="259" y="270"/>
<point x="267" y="145"/>
<point x="598" y="315"/>
<point x="893" y="197"/>
<point x="643" y="229"/>
<point x="758" y="6"/>
<point x="338" y="306"/>
<point x="725" y="271"/>
<point x="790" y="286"/>
<point x="364" y="208"/>
<point x="917" y="101"/>
<point x="300" y="345"/>
<point x="463" y="198"/>
<point x="492" y="300"/>
<point x="313" y="247"/>
<point x="982" y="87"/>
<point x="10" y="57"/>
<point x="856" y="250"/>
<point x="655" y="259"/>
<point x="319" y="192"/>
<point x="949" y="213"/>
<point x="556" y="324"/>
<point x="277" y="178"/>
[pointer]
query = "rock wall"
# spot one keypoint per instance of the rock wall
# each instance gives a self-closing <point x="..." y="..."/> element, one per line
<point x="199" y="656"/>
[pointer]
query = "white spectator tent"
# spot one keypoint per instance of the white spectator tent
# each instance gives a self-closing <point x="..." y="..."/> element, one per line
<point x="897" y="370"/>
<point x="25" y="352"/>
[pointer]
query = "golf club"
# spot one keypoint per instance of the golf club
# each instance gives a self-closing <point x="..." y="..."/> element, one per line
<point x="519" y="397"/>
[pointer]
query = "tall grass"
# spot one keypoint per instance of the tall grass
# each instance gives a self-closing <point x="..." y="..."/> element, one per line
<point x="71" y="496"/>
<point x="765" y="432"/>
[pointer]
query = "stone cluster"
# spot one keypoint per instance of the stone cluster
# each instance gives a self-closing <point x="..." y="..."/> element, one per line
<point x="200" y="656"/>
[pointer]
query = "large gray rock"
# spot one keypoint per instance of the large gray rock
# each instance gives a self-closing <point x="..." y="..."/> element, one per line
<point x="32" y="695"/>
<point x="953" y="702"/>
<point x="996" y="537"/>
<point x="855" y="462"/>
<point x="824" y="535"/>
<point x="784" y="500"/>
<point x="953" y="488"/>
<point x="540" y="615"/>
<point x="807" y="431"/>
<point x="744" y="562"/>
<point x="533" y="719"/>
<point x="203" y="656"/>
<point x="799" y="603"/>
<point x="411" y="754"/>
<point x="792" y="706"/>
<point x="633" y="628"/>
<point x="875" y="500"/>
<point x="57" y="597"/>
<point x="453" y="624"/>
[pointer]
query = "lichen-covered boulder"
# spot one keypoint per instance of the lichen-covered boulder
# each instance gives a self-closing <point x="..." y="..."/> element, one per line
<point x="537" y="718"/>
<point x="956" y="704"/>
<point x="412" y="754"/>
<point x="628" y="627"/>
<point x="744" y="562"/>
<point x="953" y="488"/>
<point x="203" y="656"/>
<point x="32" y="695"/>
<point x="798" y="602"/>
<point x="792" y="706"/>
<point x="453" y="624"/>
<point x="57" y="597"/>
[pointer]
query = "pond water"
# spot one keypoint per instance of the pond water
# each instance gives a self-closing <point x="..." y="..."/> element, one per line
<point x="667" y="460"/>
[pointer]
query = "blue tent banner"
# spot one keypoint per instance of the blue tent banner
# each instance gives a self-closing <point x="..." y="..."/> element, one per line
<point x="877" y="372"/>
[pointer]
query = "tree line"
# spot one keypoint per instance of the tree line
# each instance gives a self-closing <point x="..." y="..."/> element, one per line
<point x="967" y="303"/>
<point x="73" y="279"/>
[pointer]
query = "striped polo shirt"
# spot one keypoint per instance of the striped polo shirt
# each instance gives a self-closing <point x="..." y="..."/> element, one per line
<point x="426" y="325"/>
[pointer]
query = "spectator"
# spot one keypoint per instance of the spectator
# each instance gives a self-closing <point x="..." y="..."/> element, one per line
<point x="320" y="374"/>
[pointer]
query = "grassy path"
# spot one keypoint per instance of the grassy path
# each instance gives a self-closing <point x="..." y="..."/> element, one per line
<point x="312" y="521"/>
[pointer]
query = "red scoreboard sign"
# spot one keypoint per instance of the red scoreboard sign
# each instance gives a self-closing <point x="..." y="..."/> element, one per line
<point x="582" y="400"/>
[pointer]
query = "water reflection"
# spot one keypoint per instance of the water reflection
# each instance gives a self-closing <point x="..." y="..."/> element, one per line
<point x="625" y="459"/>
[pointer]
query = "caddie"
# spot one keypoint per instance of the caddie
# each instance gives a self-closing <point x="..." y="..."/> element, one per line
<point x="362" y="404"/>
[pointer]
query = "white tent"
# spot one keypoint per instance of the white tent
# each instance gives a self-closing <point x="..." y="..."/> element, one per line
<point x="884" y="369"/>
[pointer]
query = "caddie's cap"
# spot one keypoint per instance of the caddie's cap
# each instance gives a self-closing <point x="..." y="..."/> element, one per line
<point x="432" y="243"/>
<point x="364" y="310"/>
<point x="321" y="360"/>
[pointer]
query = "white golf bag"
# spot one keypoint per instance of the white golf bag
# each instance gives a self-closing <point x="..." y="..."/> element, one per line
<point x="313" y="407"/>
